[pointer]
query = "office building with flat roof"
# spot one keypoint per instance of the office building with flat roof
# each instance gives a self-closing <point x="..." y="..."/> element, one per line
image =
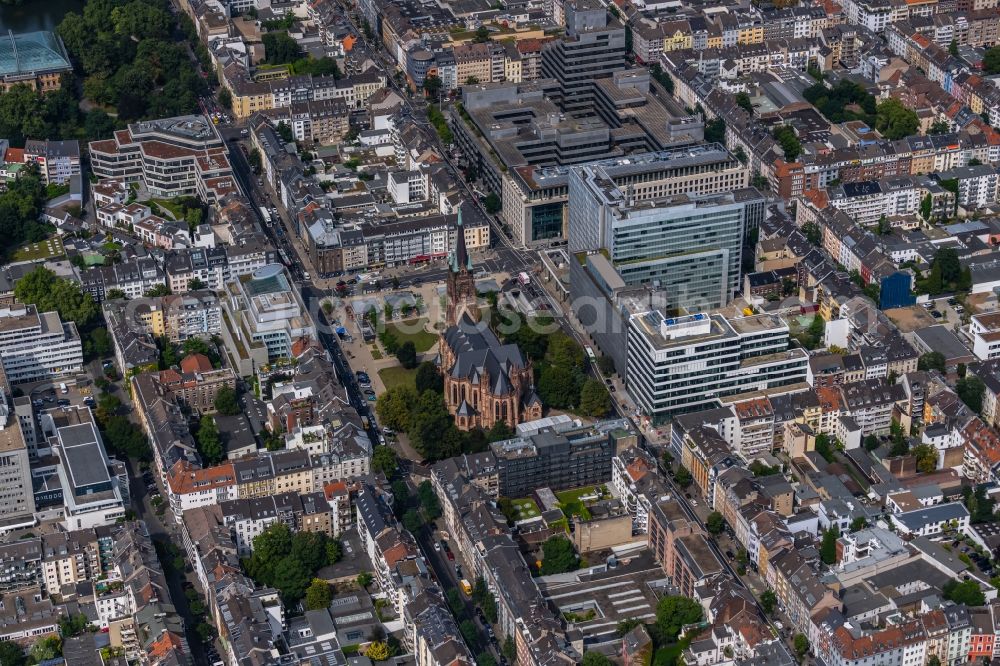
<point x="263" y="317"/>
<point x="593" y="48"/>
<point x="534" y="196"/>
<point x="17" y="500"/>
<point x="36" y="346"/>
<point x="182" y="156"/>
<point x="506" y="127"/>
<point x="689" y="246"/>
<point x="557" y="458"/>
<point x="90" y="494"/>
<point x="679" y="364"/>
<point x="37" y="59"/>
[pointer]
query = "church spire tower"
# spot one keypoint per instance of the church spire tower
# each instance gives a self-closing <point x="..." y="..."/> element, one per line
<point x="461" y="285"/>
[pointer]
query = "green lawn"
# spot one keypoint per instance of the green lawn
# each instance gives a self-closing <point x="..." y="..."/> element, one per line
<point x="572" y="505"/>
<point x="422" y="339"/>
<point x="46" y="249"/>
<point x="526" y="508"/>
<point x="170" y="205"/>
<point x="398" y="376"/>
<point x="376" y="354"/>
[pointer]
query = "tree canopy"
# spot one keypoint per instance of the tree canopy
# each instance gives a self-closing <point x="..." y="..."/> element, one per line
<point x="596" y="659"/>
<point x="11" y="654"/>
<point x="675" y="612"/>
<point x="407" y="355"/>
<point x="845" y="101"/>
<point x="715" y="131"/>
<point x="971" y="390"/>
<point x="384" y="460"/>
<point x="926" y="457"/>
<point x="931" y="361"/>
<point x="896" y="121"/>
<point x="45" y="648"/>
<point x="289" y="562"/>
<point x="318" y="595"/>
<point x="428" y="378"/>
<point x="209" y="442"/>
<point x="225" y="401"/>
<point x="947" y="273"/>
<point x="789" y="142"/>
<point x="801" y="645"/>
<point x="768" y="601"/>
<point x="280" y="48"/>
<point x="828" y="545"/>
<point x="967" y="592"/>
<point x="715" y="523"/>
<point x="48" y="292"/>
<point x="21" y="204"/>
<point x="594" y="398"/>
<point x="991" y="60"/>
<point x="129" y="60"/>
<point x="558" y="556"/>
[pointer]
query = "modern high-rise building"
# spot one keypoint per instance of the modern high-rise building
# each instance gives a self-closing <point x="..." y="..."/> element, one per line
<point x="679" y="364"/>
<point x="37" y="345"/>
<point x="593" y="48"/>
<point x="687" y="245"/>
<point x="558" y="457"/>
<point x="534" y="197"/>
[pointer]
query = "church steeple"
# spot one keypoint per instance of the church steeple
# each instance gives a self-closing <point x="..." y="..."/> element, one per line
<point x="461" y="282"/>
<point x="460" y="258"/>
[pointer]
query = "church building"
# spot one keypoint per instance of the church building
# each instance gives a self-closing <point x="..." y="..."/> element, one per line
<point x="485" y="381"/>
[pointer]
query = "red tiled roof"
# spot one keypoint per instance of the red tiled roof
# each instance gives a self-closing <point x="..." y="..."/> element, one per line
<point x="185" y="478"/>
<point x="196" y="363"/>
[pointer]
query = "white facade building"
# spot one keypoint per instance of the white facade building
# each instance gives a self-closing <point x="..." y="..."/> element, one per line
<point x="37" y="346"/>
<point x="686" y="363"/>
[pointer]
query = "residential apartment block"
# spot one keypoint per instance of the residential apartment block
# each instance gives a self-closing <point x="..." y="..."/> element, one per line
<point x="58" y="161"/>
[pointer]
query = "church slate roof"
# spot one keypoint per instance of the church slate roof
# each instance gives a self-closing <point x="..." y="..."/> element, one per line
<point x="477" y="350"/>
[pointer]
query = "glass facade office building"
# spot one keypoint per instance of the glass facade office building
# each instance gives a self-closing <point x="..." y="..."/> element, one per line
<point x="689" y="246"/>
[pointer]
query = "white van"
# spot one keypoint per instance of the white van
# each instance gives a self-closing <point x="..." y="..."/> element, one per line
<point x="63" y="388"/>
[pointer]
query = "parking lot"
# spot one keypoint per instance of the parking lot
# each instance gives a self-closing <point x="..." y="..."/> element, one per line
<point x="945" y="311"/>
<point x="49" y="394"/>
